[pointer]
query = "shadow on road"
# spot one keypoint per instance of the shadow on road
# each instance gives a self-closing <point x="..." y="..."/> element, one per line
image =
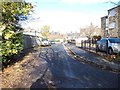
<point x="54" y="60"/>
<point x="65" y="72"/>
<point x="40" y="83"/>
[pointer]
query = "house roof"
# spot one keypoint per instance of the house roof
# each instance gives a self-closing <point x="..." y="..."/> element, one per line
<point x="105" y="16"/>
<point x="113" y="8"/>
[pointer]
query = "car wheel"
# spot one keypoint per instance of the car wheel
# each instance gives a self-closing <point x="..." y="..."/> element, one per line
<point x="110" y="51"/>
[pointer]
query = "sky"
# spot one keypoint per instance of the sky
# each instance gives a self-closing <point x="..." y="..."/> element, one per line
<point x="66" y="16"/>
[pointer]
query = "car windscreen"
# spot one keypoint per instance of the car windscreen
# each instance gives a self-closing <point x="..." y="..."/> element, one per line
<point x="44" y="39"/>
<point x="116" y="40"/>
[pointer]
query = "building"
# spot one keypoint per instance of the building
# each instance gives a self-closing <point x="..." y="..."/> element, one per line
<point x="110" y="24"/>
<point x="104" y="26"/>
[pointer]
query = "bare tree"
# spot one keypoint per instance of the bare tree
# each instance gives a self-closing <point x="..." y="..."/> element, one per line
<point x="118" y="3"/>
<point x="90" y="31"/>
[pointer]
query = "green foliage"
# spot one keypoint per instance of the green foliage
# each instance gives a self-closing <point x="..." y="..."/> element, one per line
<point x="11" y="9"/>
<point x="10" y="40"/>
<point x="45" y="31"/>
<point x="11" y="43"/>
<point x="118" y="57"/>
<point x="57" y="40"/>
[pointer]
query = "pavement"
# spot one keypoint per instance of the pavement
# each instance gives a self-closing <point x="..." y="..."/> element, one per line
<point x="94" y="59"/>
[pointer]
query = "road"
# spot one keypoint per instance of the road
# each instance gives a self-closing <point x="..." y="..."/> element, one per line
<point x="66" y="72"/>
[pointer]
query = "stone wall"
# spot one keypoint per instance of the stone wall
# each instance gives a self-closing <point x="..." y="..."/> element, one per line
<point x="103" y="26"/>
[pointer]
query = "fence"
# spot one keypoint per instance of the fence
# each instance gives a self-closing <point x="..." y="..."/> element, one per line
<point x="30" y="41"/>
<point x="88" y="44"/>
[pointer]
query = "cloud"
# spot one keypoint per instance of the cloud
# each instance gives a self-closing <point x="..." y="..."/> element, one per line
<point x="85" y="1"/>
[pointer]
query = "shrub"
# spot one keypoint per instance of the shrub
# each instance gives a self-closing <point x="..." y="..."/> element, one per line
<point x="10" y="37"/>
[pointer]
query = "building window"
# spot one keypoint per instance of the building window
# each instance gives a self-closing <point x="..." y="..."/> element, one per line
<point x="112" y="25"/>
<point x="112" y="12"/>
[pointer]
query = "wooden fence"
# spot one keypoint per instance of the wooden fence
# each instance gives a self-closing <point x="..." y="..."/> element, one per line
<point x="30" y="41"/>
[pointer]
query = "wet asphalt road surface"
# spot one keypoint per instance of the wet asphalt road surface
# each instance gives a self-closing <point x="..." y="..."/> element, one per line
<point x="66" y="72"/>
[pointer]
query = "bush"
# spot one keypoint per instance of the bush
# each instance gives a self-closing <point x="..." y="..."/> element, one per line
<point x="10" y="37"/>
<point x="118" y="57"/>
<point x="11" y="43"/>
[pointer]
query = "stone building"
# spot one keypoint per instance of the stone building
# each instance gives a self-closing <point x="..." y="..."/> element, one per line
<point x="110" y="24"/>
<point x="104" y="26"/>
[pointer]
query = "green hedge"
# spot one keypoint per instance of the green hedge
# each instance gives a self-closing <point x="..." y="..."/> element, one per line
<point x="11" y="44"/>
<point x="10" y="37"/>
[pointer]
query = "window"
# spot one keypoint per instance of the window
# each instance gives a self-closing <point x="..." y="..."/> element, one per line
<point x="103" y="40"/>
<point x="112" y="12"/>
<point x="116" y="40"/>
<point x="112" y="25"/>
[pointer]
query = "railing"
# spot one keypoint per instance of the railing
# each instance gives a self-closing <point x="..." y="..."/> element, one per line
<point x="88" y="44"/>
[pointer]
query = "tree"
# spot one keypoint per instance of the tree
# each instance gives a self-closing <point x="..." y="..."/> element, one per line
<point x="90" y="31"/>
<point x="118" y="3"/>
<point x="45" y="31"/>
<point x="9" y="28"/>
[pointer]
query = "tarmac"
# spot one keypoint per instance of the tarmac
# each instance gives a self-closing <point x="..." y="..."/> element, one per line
<point x="93" y="59"/>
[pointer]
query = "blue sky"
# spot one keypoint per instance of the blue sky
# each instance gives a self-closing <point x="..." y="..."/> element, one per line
<point x="80" y="7"/>
<point x="70" y="15"/>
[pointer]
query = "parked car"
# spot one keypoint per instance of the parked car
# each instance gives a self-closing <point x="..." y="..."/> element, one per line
<point x="45" y="42"/>
<point x="110" y="45"/>
<point x="52" y="41"/>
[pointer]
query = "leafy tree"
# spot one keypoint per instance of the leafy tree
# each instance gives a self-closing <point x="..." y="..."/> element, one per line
<point x="45" y="31"/>
<point x="11" y="37"/>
